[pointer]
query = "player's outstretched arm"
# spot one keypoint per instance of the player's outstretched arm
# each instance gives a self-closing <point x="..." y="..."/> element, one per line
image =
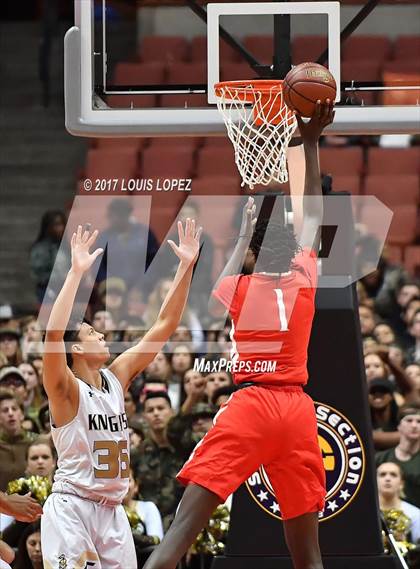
<point x="57" y="376"/>
<point x="129" y="364"/>
<point x="312" y="195"/>
<point x="23" y="508"/>
<point x="237" y="258"/>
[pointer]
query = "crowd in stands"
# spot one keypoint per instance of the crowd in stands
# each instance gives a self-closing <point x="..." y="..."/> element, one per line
<point x="171" y="405"/>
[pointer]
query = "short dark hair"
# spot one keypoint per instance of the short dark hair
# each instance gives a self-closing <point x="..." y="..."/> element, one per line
<point x="35" y="427"/>
<point x="154" y="378"/>
<point x="221" y="391"/>
<point x="6" y="394"/>
<point x="408" y="409"/>
<point x="71" y="336"/>
<point x="408" y="282"/>
<point x="279" y="241"/>
<point x="158" y="395"/>
<point x="44" y="415"/>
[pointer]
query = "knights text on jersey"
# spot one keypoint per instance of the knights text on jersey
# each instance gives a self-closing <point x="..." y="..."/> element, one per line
<point x="93" y="449"/>
<point x="271" y="321"/>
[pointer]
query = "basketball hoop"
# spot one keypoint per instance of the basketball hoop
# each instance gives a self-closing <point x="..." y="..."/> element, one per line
<point x="259" y="125"/>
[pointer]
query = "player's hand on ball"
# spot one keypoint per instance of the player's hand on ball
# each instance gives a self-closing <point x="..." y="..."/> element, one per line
<point x="323" y="116"/>
<point x="189" y="242"/>
<point x="81" y="242"/>
<point x="248" y="219"/>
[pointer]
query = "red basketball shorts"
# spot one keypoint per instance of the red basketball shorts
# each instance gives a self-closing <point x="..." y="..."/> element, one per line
<point x="271" y="426"/>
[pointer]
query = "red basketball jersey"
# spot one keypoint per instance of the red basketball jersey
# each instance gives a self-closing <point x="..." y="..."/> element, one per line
<point x="271" y="321"/>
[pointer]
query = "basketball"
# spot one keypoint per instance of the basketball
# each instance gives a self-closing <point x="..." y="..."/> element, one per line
<point x="307" y="83"/>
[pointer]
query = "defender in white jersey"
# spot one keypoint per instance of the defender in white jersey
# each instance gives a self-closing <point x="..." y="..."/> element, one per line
<point x="84" y="524"/>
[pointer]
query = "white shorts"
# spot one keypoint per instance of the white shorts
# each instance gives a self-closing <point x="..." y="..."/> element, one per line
<point x="80" y="534"/>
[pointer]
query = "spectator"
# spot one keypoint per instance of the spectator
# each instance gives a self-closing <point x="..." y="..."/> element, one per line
<point x="14" y="441"/>
<point x="190" y="319"/>
<point x="384" y="334"/>
<point x="384" y="411"/>
<point x="30" y="425"/>
<point x="38" y="363"/>
<point x="216" y="380"/>
<point x="46" y="255"/>
<point x="135" y="303"/>
<point x="148" y="514"/>
<point x="396" y="355"/>
<point x="31" y="342"/>
<point x="181" y="359"/>
<point x="182" y="335"/>
<point x="390" y="480"/>
<point x="378" y="365"/>
<point x="40" y="461"/>
<point x="13" y="380"/>
<point x="218" y="340"/>
<point x="160" y="367"/>
<point x="35" y="397"/>
<point x="413" y="372"/>
<point x="192" y="390"/>
<point x="41" y="458"/>
<point x="44" y="419"/>
<point x="156" y="463"/>
<point x="410" y="309"/>
<point x="145" y="521"/>
<point x="129" y="405"/>
<point x="383" y="283"/>
<point x="413" y="354"/>
<point x="402" y="310"/>
<point x="104" y="322"/>
<point x="367" y="320"/>
<point x="222" y="395"/>
<point x="9" y="346"/>
<point x="369" y="345"/>
<point x="407" y="452"/>
<point x="29" y="554"/>
<point x="25" y="509"/>
<point x="133" y="330"/>
<point x="112" y="294"/>
<point x="125" y="240"/>
<point x="152" y="384"/>
<point x="185" y="431"/>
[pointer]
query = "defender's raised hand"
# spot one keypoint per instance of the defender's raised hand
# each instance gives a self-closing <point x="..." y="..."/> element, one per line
<point x="323" y="116"/>
<point x="81" y="242"/>
<point x="189" y="242"/>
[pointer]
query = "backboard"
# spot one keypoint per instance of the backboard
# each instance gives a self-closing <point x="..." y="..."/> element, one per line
<point x="164" y="86"/>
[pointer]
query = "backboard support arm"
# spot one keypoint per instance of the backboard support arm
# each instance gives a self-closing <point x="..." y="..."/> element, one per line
<point x="358" y="19"/>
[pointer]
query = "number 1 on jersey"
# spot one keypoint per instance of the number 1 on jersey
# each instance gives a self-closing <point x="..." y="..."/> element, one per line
<point x="284" y="325"/>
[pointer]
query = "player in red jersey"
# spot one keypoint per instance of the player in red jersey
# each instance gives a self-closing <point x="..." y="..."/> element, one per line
<point x="269" y="421"/>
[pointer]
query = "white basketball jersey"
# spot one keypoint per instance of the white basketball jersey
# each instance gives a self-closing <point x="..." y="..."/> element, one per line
<point x="93" y="449"/>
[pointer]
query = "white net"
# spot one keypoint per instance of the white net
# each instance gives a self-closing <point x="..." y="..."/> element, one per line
<point x="260" y="126"/>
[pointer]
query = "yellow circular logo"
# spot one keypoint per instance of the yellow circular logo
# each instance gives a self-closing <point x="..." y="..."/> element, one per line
<point x="344" y="462"/>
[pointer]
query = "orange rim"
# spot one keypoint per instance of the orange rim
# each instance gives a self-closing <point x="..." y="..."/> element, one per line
<point x="263" y="86"/>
